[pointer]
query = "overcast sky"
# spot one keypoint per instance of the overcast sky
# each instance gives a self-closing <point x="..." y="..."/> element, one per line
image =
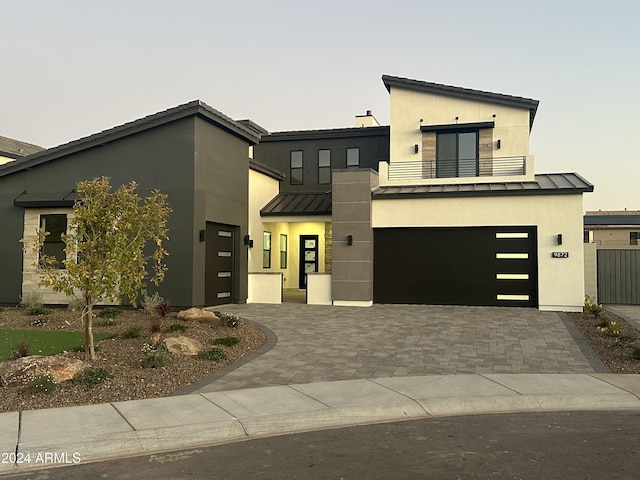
<point x="74" y="68"/>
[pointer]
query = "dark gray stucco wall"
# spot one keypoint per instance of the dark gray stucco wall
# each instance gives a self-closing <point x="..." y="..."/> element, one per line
<point x="158" y="158"/>
<point x="276" y="154"/>
<point x="221" y="196"/>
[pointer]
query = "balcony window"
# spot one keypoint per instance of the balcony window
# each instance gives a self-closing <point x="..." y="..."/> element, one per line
<point x="457" y="154"/>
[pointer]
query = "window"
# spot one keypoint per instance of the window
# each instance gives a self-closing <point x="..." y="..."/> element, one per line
<point x="457" y="154"/>
<point x="324" y="167"/>
<point x="266" y="249"/>
<point x="353" y="157"/>
<point x="283" y="251"/>
<point x="633" y="238"/>
<point x="296" y="168"/>
<point x="53" y="246"/>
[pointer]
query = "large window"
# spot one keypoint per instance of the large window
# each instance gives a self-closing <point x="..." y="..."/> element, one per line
<point x="55" y="225"/>
<point x="353" y="157"/>
<point x="283" y="251"/>
<point x="296" y="168"/>
<point x="324" y="167"/>
<point x="457" y="154"/>
<point x="266" y="249"/>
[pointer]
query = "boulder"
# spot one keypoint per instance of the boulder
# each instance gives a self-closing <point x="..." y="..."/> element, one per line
<point x="197" y="315"/>
<point x="183" y="345"/>
<point x="16" y="373"/>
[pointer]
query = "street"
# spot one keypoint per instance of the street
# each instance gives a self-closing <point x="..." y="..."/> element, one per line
<point x="559" y="445"/>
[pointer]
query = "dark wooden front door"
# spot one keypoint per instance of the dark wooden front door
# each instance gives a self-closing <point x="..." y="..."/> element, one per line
<point x="219" y="264"/>
<point x="308" y="257"/>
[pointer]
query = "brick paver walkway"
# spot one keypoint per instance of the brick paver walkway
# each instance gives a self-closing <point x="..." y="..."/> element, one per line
<point x="324" y="343"/>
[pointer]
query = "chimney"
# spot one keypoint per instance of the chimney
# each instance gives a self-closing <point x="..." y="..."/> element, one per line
<point x="366" y="120"/>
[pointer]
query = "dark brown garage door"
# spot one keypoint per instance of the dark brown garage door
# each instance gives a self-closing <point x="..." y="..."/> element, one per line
<point x="456" y="266"/>
<point x="219" y="264"/>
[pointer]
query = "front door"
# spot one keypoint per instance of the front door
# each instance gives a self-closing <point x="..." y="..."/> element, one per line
<point x="308" y="257"/>
<point x="219" y="264"/>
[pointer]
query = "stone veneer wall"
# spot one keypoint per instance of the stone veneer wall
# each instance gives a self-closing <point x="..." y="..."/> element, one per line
<point x="352" y="271"/>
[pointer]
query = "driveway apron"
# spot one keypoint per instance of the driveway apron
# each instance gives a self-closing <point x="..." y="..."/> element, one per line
<point x="327" y="343"/>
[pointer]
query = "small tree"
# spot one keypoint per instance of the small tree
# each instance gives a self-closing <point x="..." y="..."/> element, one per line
<point x="106" y="248"/>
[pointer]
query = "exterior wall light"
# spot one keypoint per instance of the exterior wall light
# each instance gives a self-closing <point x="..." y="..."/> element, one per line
<point x="202" y="235"/>
<point x="349" y="239"/>
<point x="415" y="148"/>
<point x="248" y="242"/>
<point x="559" y="239"/>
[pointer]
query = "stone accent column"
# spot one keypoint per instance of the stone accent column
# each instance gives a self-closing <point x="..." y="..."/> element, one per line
<point x="352" y="270"/>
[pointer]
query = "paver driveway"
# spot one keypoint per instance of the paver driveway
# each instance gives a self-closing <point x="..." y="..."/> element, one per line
<point x="325" y="343"/>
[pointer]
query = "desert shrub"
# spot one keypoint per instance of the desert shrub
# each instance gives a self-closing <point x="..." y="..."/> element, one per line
<point x="155" y="327"/>
<point x="92" y="378"/>
<point x="41" y="384"/>
<point x="609" y="327"/>
<point x="154" y="358"/>
<point x="177" y="327"/>
<point x="110" y="312"/>
<point x="227" y="341"/>
<point x="151" y="303"/>
<point x="593" y="308"/>
<point x="133" y="331"/>
<point x="215" y="354"/>
<point x="21" y="350"/>
<point x="228" y="319"/>
<point x="31" y="300"/>
<point x="163" y="309"/>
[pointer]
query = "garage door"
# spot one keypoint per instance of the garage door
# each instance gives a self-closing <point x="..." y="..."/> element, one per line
<point x="456" y="266"/>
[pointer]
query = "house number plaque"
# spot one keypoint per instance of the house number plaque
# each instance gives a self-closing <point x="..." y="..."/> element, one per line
<point x="560" y="254"/>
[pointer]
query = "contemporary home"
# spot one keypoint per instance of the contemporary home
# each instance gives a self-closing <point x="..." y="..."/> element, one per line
<point x="441" y="206"/>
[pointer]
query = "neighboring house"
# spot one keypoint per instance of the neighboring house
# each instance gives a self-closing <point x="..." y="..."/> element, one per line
<point x="612" y="256"/>
<point x="612" y="228"/>
<point x="11" y="149"/>
<point x="440" y="207"/>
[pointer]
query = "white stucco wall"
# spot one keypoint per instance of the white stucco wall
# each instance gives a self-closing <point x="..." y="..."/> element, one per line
<point x="407" y="107"/>
<point x="262" y="189"/>
<point x="560" y="280"/>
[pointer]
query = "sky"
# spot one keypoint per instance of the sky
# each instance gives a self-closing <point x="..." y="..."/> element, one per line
<point x="71" y="68"/>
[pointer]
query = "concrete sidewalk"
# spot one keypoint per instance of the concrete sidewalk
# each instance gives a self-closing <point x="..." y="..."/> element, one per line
<point x="46" y="438"/>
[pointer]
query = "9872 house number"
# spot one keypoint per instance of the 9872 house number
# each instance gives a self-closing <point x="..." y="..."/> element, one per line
<point x="560" y="254"/>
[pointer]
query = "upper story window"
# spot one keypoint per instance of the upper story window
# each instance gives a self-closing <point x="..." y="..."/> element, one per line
<point x="324" y="167"/>
<point x="55" y="225"/>
<point x="457" y="154"/>
<point x="353" y="157"/>
<point x="296" y="167"/>
<point x="633" y="238"/>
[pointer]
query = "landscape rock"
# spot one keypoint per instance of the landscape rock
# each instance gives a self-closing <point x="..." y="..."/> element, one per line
<point x="183" y="345"/>
<point x="197" y="315"/>
<point x="17" y="373"/>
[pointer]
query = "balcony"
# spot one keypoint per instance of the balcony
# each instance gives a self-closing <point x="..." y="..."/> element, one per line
<point x="480" y="167"/>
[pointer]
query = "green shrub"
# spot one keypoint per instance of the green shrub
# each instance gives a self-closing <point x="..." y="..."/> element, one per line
<point x="22" y="350"/>
<point x="132" y="332"/>
<point x="593" y="308"/>
<point x="154" y="359"/>
<point x="92" y="378"/>
<point x="609" y="327"/>
<point x="215" y="354"/>
<point x="177" y="327"/>
<point x="227" y="341"/>
<point x="39" y="310"/>
<point x="110" y="312"/>
<point x="41" y="384"/>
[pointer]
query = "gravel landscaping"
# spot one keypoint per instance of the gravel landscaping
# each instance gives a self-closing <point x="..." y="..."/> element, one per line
<point x="122" y="358"/>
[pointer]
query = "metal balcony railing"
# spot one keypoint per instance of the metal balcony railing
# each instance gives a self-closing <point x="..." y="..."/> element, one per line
<point x="476" y="167"/>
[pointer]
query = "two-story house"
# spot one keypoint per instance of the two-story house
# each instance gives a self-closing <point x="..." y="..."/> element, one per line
<point x="454" y="215"/>
<point x="442" y="206"/>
